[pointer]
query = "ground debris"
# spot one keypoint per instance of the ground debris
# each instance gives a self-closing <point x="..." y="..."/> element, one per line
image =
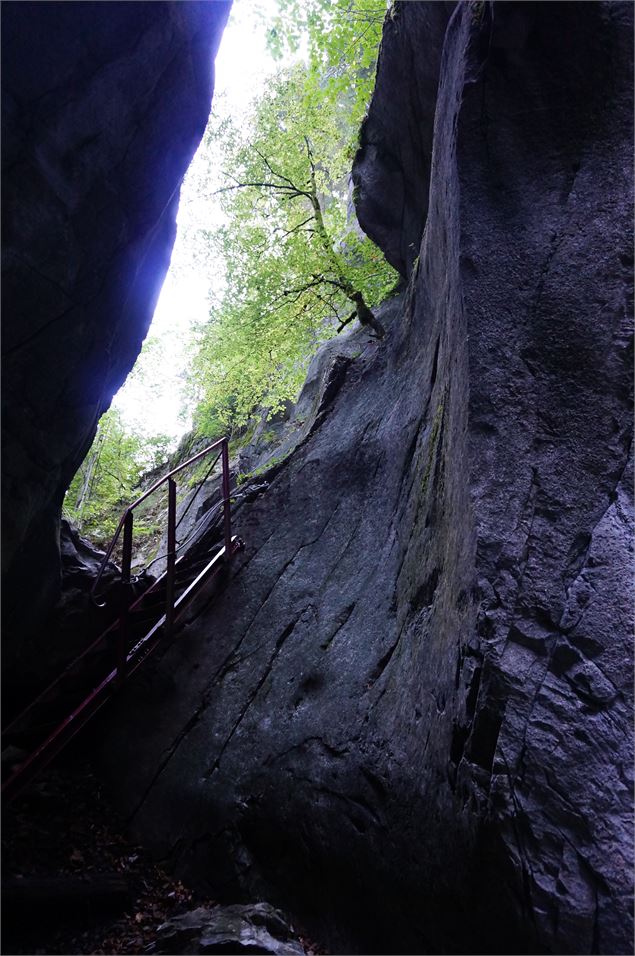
<point x="61" y="829"/>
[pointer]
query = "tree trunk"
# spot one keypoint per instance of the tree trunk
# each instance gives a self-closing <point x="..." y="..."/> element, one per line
<point x="363" y="312"/>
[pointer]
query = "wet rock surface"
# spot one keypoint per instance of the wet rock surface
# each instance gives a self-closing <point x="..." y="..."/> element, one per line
<point x="103" y="106"/>
<point x="255" y="928"/>
<point x="390" y="182"/>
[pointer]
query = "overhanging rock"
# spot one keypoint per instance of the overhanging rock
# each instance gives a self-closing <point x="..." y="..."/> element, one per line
<point x="103" y="106"/>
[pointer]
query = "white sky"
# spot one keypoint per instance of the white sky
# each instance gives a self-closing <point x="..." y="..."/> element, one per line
<point x="154" y="407"/>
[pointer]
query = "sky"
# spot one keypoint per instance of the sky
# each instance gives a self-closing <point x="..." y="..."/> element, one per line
<point x="153" y="403"/>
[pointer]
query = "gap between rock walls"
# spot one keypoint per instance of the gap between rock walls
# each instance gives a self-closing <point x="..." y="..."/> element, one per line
<point x="409" y="696"/>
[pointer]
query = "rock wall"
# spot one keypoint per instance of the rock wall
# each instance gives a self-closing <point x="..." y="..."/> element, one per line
<point x="103" y="106"/>
<point x="408" y="716"/>
<point x="391" y="178"/>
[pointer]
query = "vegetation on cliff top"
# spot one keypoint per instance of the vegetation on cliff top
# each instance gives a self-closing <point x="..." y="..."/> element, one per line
<point x="294" y="259"/>
<point x="285" y="247"/>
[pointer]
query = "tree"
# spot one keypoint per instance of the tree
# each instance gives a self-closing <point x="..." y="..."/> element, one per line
<point x="333" y="272"/>
<point x="342" y="39"/>
<point x="294" y="260"/>
<point x="108" y="479"/>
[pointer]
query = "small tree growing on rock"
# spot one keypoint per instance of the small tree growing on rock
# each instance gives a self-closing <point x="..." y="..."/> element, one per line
<point x="294" y="262"/>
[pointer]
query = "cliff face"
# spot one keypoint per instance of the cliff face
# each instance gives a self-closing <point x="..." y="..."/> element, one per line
<point x="103" y="105"/>
<point x="408" y="716"/>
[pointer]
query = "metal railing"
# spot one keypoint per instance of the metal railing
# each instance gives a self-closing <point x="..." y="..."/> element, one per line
<point x="126" y="524"/>
<point x="127" y="659"/>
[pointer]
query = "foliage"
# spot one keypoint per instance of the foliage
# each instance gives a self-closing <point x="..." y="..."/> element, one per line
<point x="342" y="37"/>
<point x="109" y="477"/>
<point x="287" y="257"/>
<point x="158" y="380"/>
<point x="294" y="260"/>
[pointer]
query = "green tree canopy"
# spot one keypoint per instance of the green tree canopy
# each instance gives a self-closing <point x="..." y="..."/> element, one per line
<point x="294" y="258"/>
<point x="109" y="477"/>
<point x="288" y="258"/>
<point x="342" y="40"/>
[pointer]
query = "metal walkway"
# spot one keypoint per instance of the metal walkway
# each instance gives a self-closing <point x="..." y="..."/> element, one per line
<point x="143" y="622"/>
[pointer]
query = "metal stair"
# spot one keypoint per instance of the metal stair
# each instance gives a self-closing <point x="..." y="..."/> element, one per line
<point x="144" y="621"/>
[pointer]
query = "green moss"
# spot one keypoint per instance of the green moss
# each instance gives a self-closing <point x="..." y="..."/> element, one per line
<point x="242" y="439"/>
<point x="199" y="472"/>
<point x="435" y="431"/>
<point x="242" y="477"/>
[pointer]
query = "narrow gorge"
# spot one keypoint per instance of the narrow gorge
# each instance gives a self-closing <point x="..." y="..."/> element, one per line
<point x="406" y="716"/>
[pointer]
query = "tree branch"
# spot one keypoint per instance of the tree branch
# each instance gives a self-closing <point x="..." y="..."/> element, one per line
<point x="300" y="289"/>
<point x="291" y="190"/>
<point x="344" y="322"/>
<point x="289" y="232"/>
<point x="273" y="171"/>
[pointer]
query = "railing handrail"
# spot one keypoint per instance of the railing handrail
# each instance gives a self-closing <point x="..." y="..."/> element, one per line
<point x="201" y="454"/>
<point x="130" y="654"/>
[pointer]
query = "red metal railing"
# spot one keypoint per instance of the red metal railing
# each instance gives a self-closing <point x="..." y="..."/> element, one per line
<point x="127" y="525"/>
<point x="127" y="659"/>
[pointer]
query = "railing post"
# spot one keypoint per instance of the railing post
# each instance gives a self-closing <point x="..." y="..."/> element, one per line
<point x="171" y="558"/>
<point x="124" y="617"/>
<point x="227" y="521"/>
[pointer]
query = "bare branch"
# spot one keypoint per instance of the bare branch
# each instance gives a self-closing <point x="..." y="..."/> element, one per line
<point x="274" y="172"/>
<point x="300" y="289"/>
<point x="290" y="232"/>
<point x="344" y="322"/>
<point x="312" y="164"/>
<point x="291" y="191"/>
<point x="328" y="302"/>
<point x="338" y="285"/>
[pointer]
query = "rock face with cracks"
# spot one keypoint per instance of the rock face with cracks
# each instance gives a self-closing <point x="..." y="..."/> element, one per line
<point x="103" y="105"/>
<point x="258" y="928"/>
<point x="407" y="717"/>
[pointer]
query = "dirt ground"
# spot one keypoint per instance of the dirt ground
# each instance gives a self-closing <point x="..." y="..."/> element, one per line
<point x="64" y="827"/>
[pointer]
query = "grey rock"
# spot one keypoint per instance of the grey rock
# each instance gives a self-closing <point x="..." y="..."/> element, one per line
<point x="81" y="560"/>
<point x="398" y="131"/>
<point x="408" y="717"/>
<point x="266" y="437"/>
<point x="103" y="106"/>
<point x="253" y="928"/>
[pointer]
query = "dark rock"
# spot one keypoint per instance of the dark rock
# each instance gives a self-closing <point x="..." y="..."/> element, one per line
<point x="71" y="625"/>
<point x="63" y="898"/>
<point x="103" y="106"/>
<point x="391" y="172"/>
<point x="77" y="619"/>
<point x="408" y="718"/>
<point x="81" y="560"/>
<point x="256" y="928"/>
